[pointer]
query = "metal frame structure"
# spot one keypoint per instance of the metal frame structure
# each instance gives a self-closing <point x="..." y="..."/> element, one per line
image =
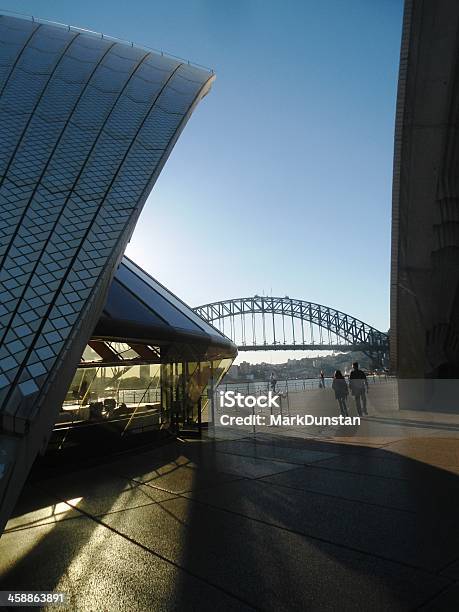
<point x="355" y="334"/>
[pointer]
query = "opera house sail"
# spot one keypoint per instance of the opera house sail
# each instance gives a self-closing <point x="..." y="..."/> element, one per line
<point x="86" y="124"/>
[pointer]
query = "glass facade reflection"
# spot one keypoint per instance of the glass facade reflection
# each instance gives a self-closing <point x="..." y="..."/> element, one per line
<point x="186" y="391"/>
<point x="150" y="365"/>
<point x="123" y="393"/>
<point x="139" y="398"/>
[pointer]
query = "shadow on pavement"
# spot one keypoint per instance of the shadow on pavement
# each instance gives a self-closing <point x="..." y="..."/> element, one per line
<point x="277" y="523"/>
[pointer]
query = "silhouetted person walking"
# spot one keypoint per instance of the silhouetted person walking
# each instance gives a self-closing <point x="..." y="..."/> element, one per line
<point x="273" y="382"/>
<point x="339" y="386"/>
<point x="359" y="388"/>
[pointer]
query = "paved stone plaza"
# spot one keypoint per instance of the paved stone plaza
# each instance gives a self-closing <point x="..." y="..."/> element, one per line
<point x="283" y="520"/>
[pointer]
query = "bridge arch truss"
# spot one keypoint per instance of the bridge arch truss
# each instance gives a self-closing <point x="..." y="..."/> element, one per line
<point x="275" y="323"/>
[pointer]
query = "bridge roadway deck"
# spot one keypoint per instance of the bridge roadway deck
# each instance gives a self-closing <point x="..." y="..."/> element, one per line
<point x="303" y="347"/>
<point x="286" y="519"/>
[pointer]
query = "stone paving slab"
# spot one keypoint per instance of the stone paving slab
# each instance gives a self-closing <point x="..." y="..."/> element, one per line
<point x="436" y="451"/>
<point x="100" y="570"/>
<point x="278" y="523"/>
<point x="384" y="492"/>
<point x="446" y="601"/>
<point x="275" y="451"/>
<point x="174" y="477"/>
<point x="36" y="507"/>
<point x="231" y="463"/>
<point x="271" y="568"/>
<point x="98" y="491"/>
<point x="390" y="467"/>
<point x="452" y="570"/>
<point x="429" y="491"/>
<point x="389" y="533"/>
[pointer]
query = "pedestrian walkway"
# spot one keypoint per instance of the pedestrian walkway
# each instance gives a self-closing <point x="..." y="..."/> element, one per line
<point x="282" y="520"/>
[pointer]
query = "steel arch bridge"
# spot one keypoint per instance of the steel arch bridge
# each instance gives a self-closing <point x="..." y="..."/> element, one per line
<point x="275" y="323"/>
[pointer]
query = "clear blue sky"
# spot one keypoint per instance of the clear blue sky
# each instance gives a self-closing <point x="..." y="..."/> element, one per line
<point x="281" y="182"/>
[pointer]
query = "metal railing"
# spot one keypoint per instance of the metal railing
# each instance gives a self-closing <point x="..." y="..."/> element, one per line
<point x="288" y="385"/>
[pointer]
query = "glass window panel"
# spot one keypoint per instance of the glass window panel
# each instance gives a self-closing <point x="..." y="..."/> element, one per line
<point x="154" y="300"/>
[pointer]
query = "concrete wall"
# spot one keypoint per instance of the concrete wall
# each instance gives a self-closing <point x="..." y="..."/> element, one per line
<point x="425" y="226"/>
